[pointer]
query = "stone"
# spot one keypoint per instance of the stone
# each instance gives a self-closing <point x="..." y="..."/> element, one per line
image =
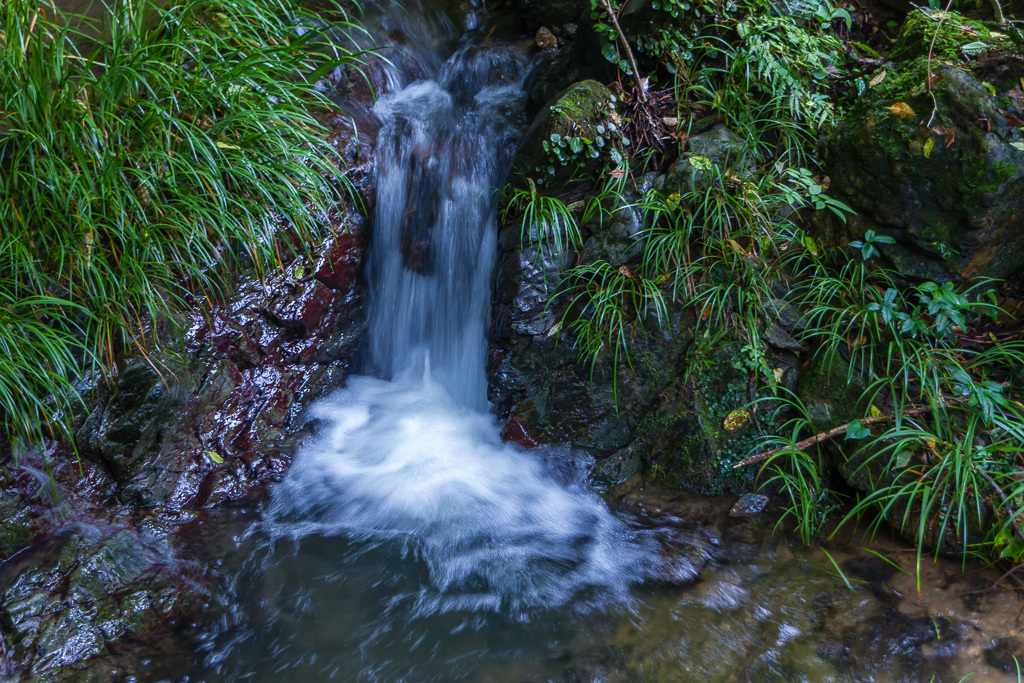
<point x="952" y="195"/>
<point x="545" y="39"/>
<point x="576" y="112"/>
<point x="748" y="505"/>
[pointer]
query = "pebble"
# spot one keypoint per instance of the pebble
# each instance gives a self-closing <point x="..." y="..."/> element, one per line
<point x="545" y="39"/>
<point x="749" y="505"/>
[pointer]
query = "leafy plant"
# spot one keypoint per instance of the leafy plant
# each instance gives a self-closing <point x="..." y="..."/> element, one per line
<point x="141" y="160"/>
<point x="545" y="220"/>
<point x="607" y="303"/>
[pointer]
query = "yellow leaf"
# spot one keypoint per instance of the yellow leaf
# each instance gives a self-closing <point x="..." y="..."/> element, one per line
<point x="928" y="147"/>
<point x="224" y="145"/>
<point x="736" y="419"/>
<point x="873" y="411"/>
<point x="902" y="110"/>
<point x="778" y="373"/>
<point x="877" y="78"/>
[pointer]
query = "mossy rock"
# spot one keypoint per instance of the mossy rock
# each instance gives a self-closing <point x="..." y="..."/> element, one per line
<point x="584" y="112"/>
<point x="952" y="193"/>
<point x="702" y="426"/>
<point x="951" y="31"/>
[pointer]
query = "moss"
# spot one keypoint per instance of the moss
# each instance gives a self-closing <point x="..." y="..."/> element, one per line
<point x="955" y="31"/>
<point x="584" y="101"/>
<point x="687" y="442"/>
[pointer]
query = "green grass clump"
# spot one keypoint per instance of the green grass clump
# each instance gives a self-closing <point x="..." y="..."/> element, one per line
<point x="142" y="159"/>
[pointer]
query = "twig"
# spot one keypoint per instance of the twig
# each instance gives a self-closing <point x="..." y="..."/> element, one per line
<point x="830" y="434"/>
<point x="928" y="69"/>
<point x="624" y="41"/>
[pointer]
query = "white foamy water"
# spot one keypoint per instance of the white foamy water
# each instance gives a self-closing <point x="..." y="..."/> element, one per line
<point x="399" y="461"/>
<point x="409" y="458"/>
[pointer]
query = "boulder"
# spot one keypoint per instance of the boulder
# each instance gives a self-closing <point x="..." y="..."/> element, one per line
<point x="950" y="188"/>
<point x="571" y="136"/>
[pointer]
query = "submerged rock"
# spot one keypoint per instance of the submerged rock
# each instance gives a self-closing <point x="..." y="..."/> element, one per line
<point x="748" y="505"/>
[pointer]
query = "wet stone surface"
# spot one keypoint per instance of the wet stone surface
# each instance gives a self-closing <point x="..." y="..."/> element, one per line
<point x="93" y="583"/>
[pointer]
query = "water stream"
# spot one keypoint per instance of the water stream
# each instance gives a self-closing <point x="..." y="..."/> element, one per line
<point x="408" y="482"/>
<point x="407" y="542"/>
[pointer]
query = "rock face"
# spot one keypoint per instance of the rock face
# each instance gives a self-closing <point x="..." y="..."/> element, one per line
<point x="950" y="192"/>
<point x="203" y="423"/>
<point x="636" y="412"/>
<point x="67" y="600"/>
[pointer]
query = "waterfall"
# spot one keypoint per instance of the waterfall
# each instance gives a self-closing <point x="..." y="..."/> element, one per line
<point x="406" y="520"/>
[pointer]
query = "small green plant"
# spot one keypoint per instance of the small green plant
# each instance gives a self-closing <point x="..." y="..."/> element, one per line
<point x="545" y="220"/>
<point x="603" y="314"/>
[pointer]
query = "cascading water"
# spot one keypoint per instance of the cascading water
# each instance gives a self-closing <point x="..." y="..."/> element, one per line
<point x="408" y="543"/>
<point x="407" y="504"/>
<point x="410" y="455"/>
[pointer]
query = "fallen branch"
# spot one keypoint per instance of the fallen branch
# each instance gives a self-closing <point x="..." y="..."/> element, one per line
<point x="830" y="434"/>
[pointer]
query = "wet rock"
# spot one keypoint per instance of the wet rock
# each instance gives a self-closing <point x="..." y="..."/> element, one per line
<point x="193" y="425"/>
<point x="617" y="237"/>
<point x="1006" y="655"/>
<point x="617" y="469"/>
<point x="718" y="146"/>
<point x="831" y="392"/>
<point x="545" y="39"/>
<point x="686" y="546"/>
<point x="748" y="505"/>
<point x="574" y="113"/>
<point x="74" y="597"/>
<point x="952" y="194"/>
<point x="869" y="568"/>
<point x="128" y="428"/>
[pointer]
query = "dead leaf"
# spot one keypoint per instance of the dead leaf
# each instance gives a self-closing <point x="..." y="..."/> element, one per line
<point x="877" y="78"/>
<point x="618" y="173"/>
<point x="950" y="138"/>
<point x="902" y="110"/>
<point x="1013" y="120"/>
<point x="736" y="419"/>
<point x="623" y="270"/>
<point x="1017" y="99"/>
